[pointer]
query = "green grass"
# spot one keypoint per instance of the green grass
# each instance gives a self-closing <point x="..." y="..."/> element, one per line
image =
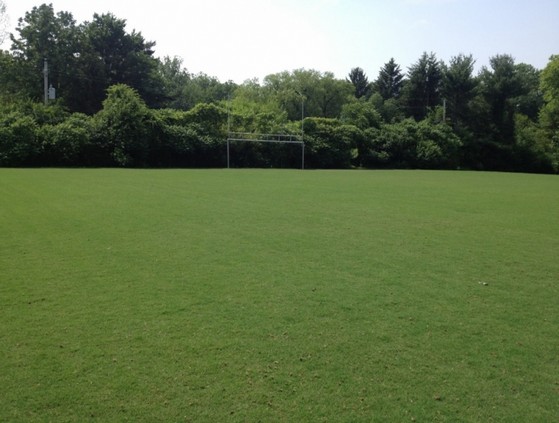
<point x="250" y="295"/>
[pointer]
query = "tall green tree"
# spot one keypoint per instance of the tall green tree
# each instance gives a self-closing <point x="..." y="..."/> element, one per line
<point x="390" y="80"/>
<point x="254" y="109"/>
<point x="175" y="80"/>
<point x="530" y="98"/>
<point x="320" y="94"/>
<point x="83" y="60"/>
<point x="423" y="89"/>
<point x="125" y="58"/>
<point x="182" y="90"/>
<point x="10" y="76"/>
<point x="390" y="110"/>
<point x="500" y="86"/>
<point x="44" y="34"/>
<point x="360" y="82"/>
<point x="204" y="88"/>
<point x="459" y="89"/>
<point x="549" y="114"/>
<point x="332" y="95"/>
<point x="295" y="92"/>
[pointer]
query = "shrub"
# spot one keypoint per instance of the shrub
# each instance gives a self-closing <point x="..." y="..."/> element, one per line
<point x="125" y="125"/>
<point x="18" y="140"/>
<point x="329" y="143"/>
<point x="409" y="144"/>
<point x="66" y="143"/>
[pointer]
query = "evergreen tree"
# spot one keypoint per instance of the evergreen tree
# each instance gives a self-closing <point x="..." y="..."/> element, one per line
<point x="360" y="82"/>
<point x="459" y="89"/>
<point x="424" y="85"/>
<point x="390" y="80"/>
<point x="500" y="85"/>
<point x="530" y="100"/>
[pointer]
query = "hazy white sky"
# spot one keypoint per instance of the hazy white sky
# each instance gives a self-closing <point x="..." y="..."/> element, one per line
<point x="241" y="39"/>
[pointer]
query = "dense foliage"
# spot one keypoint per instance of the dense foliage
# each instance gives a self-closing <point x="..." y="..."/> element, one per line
<point x="119" y="105"/>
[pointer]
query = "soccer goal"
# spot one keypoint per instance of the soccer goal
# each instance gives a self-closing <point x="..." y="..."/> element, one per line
<point x="244" y="137"/>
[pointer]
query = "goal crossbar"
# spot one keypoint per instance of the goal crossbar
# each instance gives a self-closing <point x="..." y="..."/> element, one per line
<point x="265" y="140"/>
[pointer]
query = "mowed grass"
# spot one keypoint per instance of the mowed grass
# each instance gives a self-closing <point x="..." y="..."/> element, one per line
<point x="268" y="295"/>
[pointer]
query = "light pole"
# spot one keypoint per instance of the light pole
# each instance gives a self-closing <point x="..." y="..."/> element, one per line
<point x="302" y="129"/>
<point x="302" y="113"/>
<point x="302" y="118"/>
<point x="46" y="80"/>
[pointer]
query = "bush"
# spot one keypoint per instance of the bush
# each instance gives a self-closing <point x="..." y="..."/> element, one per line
<point x="409" y="144"/>
<point x="18" y="140"/>
<point x="438" y="147"/>
<point x="209" y="119"/>
<point x="361" y="114"/>
<point x="66" y="143"/>
<point x="125" y="125"/>
<point x="533" y="149"/>
<point x="329" y="143"/>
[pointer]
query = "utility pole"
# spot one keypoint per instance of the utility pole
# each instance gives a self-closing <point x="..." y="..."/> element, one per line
<point x="303" y="132"/>
<point x="302" y="112"/>
<point x="46" y="80"/>
<point x="444" y="110"/>
<point x="426" y="94"/>
<point x="302" y="118"/>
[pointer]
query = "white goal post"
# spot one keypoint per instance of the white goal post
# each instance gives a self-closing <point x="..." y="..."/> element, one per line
<point x="265" y="138"/>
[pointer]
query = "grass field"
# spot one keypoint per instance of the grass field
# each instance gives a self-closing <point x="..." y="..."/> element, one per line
<point x="278" y="296"/>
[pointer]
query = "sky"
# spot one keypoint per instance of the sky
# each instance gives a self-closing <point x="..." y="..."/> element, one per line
<point x="245" y="39"/>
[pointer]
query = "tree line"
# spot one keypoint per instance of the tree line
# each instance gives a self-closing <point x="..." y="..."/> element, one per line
<point x="119" y="105"/>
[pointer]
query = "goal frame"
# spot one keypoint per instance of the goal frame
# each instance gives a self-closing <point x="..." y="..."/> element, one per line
<point x="265" y="138"/>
